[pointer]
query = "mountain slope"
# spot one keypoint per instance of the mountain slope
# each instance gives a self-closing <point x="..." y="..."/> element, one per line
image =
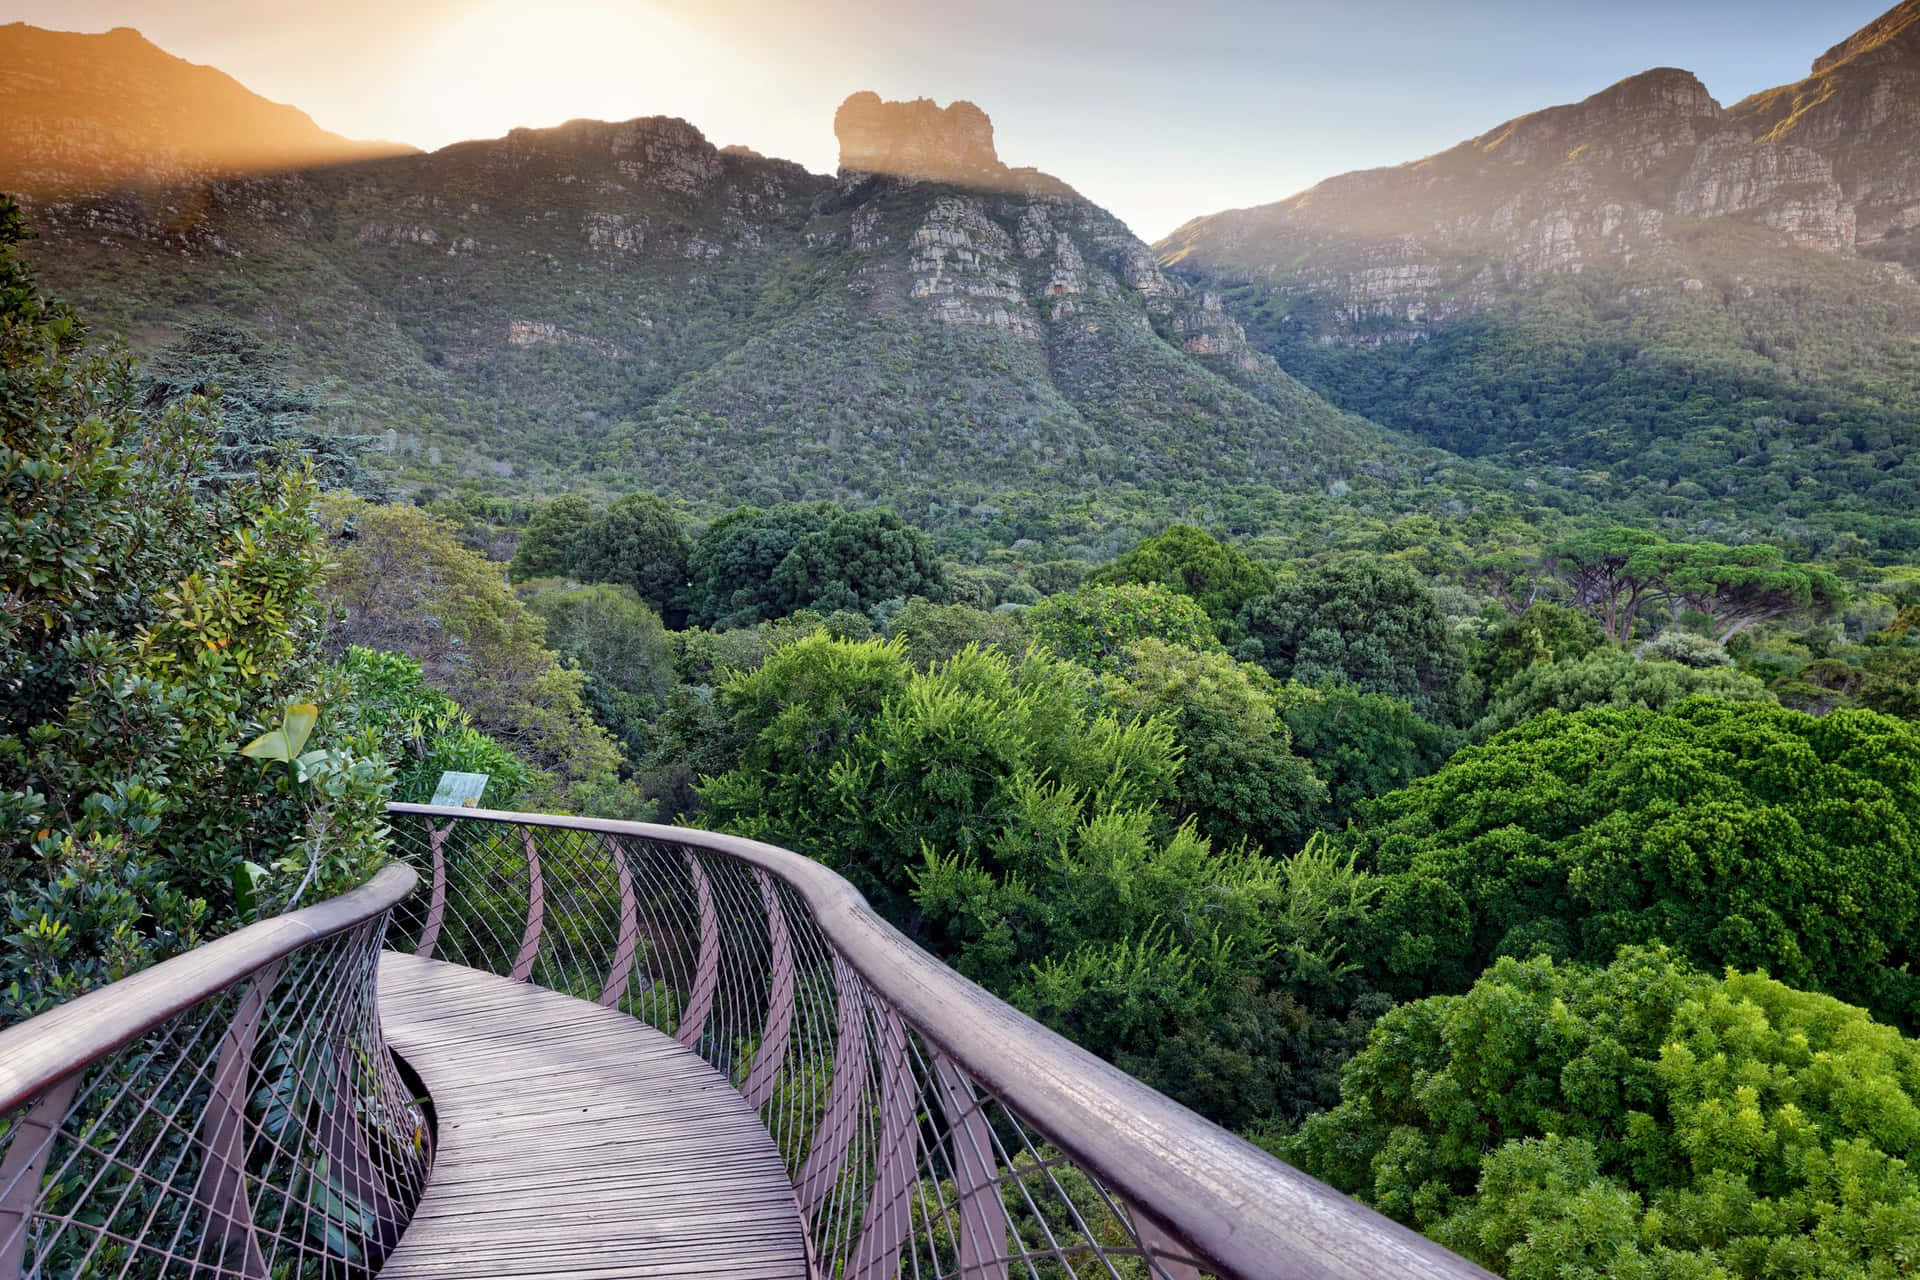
<point x="630" y="304"/>
<point x="1665" y="301"/>
<point x="90" y="113"/>
<point x="1860" y="110"/>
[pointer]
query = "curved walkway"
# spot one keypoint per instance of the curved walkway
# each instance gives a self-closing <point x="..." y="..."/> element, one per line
<point x="577" y="1142"/>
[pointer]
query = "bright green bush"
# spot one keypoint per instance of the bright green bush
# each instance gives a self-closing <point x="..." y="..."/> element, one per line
<point x="1094" y="625"/>
<point x="1362" y="621"/>
<point x="423" y="732"/>
<point x="1640" y="1120"/>
<point x="1739" y="833"/>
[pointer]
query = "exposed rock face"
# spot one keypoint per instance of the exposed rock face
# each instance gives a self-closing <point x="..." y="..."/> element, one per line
<point x="1774" y="183"/>
<point x="1621" y="180"/>
<point x="1001" y="248"/>
<point x="918" y="139"/>
<point x="89" y="114"/>
<point x="1860" y="109"/>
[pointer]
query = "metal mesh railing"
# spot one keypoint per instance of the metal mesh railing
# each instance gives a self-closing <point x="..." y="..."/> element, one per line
<point x="233" y="1112"/>
<point x="929" y="1129"/>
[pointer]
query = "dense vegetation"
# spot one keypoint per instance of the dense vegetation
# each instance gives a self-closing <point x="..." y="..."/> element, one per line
<point x="1789" y="405"/>
<point x="1637" y="1120"/>
<point x="1549" y="883"/>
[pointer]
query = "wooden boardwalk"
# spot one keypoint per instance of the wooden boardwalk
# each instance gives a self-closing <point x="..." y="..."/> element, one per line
<point x="577" y="1142"/>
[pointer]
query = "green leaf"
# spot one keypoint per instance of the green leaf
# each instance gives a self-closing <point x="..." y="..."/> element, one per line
<point x="299" y="724"/>
<point x="271" y="745"/>
<point x="247" y="879"/>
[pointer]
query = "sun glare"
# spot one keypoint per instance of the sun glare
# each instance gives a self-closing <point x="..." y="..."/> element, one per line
<point x="504" y="64"/>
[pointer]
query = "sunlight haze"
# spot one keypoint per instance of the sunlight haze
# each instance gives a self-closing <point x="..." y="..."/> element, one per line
<point x="1158" y="112"/>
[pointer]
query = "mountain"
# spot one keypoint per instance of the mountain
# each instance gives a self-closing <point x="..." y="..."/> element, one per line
<point x="92" y="113"/>
<point x="1859" y="109"/>
<point x="1707" y="314"/>
<point x="628" y="305"/>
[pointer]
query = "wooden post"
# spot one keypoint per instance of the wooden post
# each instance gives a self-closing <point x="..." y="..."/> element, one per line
<point x="28" y="1149"/>
<point x="706" y="978"/>
<point x="983" y="1216"/>
<point x="773" y="1038"/>
<point x="536" y="910"/>
<point x="221" y="1192"/>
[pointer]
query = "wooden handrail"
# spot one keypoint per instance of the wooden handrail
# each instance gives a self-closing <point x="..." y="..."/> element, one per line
<point x="1243" y="1211"/>
<point x="44" y="1050"/>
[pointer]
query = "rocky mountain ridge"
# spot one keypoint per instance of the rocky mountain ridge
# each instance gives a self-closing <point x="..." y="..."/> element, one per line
<point x="1832" y="164"/>
<point x="1634" y="290"/>
<point x="628" y="302"/>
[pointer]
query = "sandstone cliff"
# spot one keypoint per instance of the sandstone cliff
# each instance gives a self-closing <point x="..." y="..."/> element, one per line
<point x="1860" y="110"/>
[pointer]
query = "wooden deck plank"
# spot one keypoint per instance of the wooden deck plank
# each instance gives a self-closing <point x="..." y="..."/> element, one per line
<point x="577" y="1143"/>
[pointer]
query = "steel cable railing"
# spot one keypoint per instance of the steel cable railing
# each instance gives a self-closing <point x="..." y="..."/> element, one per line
<point x="231" y="1112"/>
<point x="929" y="1129"/>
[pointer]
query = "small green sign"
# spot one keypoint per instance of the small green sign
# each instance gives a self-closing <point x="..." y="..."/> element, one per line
<point x="460" y="790"/>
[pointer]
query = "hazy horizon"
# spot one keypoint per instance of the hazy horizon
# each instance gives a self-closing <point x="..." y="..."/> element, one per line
<point x="1159" y="115"/>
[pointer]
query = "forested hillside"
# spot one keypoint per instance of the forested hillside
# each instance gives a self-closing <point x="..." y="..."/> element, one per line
<point x="1699" y="315"/>
<point x="626" y="305"/>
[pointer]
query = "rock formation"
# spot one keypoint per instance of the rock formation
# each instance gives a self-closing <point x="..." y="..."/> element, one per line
<point x="918" y="139"/>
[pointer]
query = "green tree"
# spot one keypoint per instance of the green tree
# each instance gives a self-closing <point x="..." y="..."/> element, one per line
<point x="733" y="562"/>
<point x="1239" y="779"/>
<point x="1371" y="623"/>
<point x="148" y="628"/>
<point x="1194" y="563"/>
<point x="1891" y="684"/>
<point x="1611" y="678"/>
<point x="637" y="542"/>
<point x="1362" y="745"/>
<point x="854" y="759"/>
<point x="1542" y="632"/>
<point x="402" y="584"/>
<point x="423" y="731"/>
<point x="1739" y="833"/>
<point x="610" y="634"/>
<point x="550" y="547"/>
<point x="1640" y="1120"/>
<point x="859" y="560"/>
<point x="938" y="632"/>
<point x="992" y="809"/>
<point x="260" y="415"/>
<point x="1610" y="574"/>
<point x="1094" y="625"/>
<point x="1736" y="588"/>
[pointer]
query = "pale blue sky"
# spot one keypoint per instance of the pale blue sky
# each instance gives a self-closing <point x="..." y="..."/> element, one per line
<point x="1160" y="111"/>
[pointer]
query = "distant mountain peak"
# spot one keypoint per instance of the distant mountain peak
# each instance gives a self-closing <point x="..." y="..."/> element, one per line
<point x="1899" y="24"/>
<point x="917" y="139"/>
<point x="84" y="113"/>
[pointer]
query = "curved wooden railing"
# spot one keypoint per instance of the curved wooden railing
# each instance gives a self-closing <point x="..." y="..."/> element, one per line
<point x="232" y="1111"/>
<point x="929" y="1128"/>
